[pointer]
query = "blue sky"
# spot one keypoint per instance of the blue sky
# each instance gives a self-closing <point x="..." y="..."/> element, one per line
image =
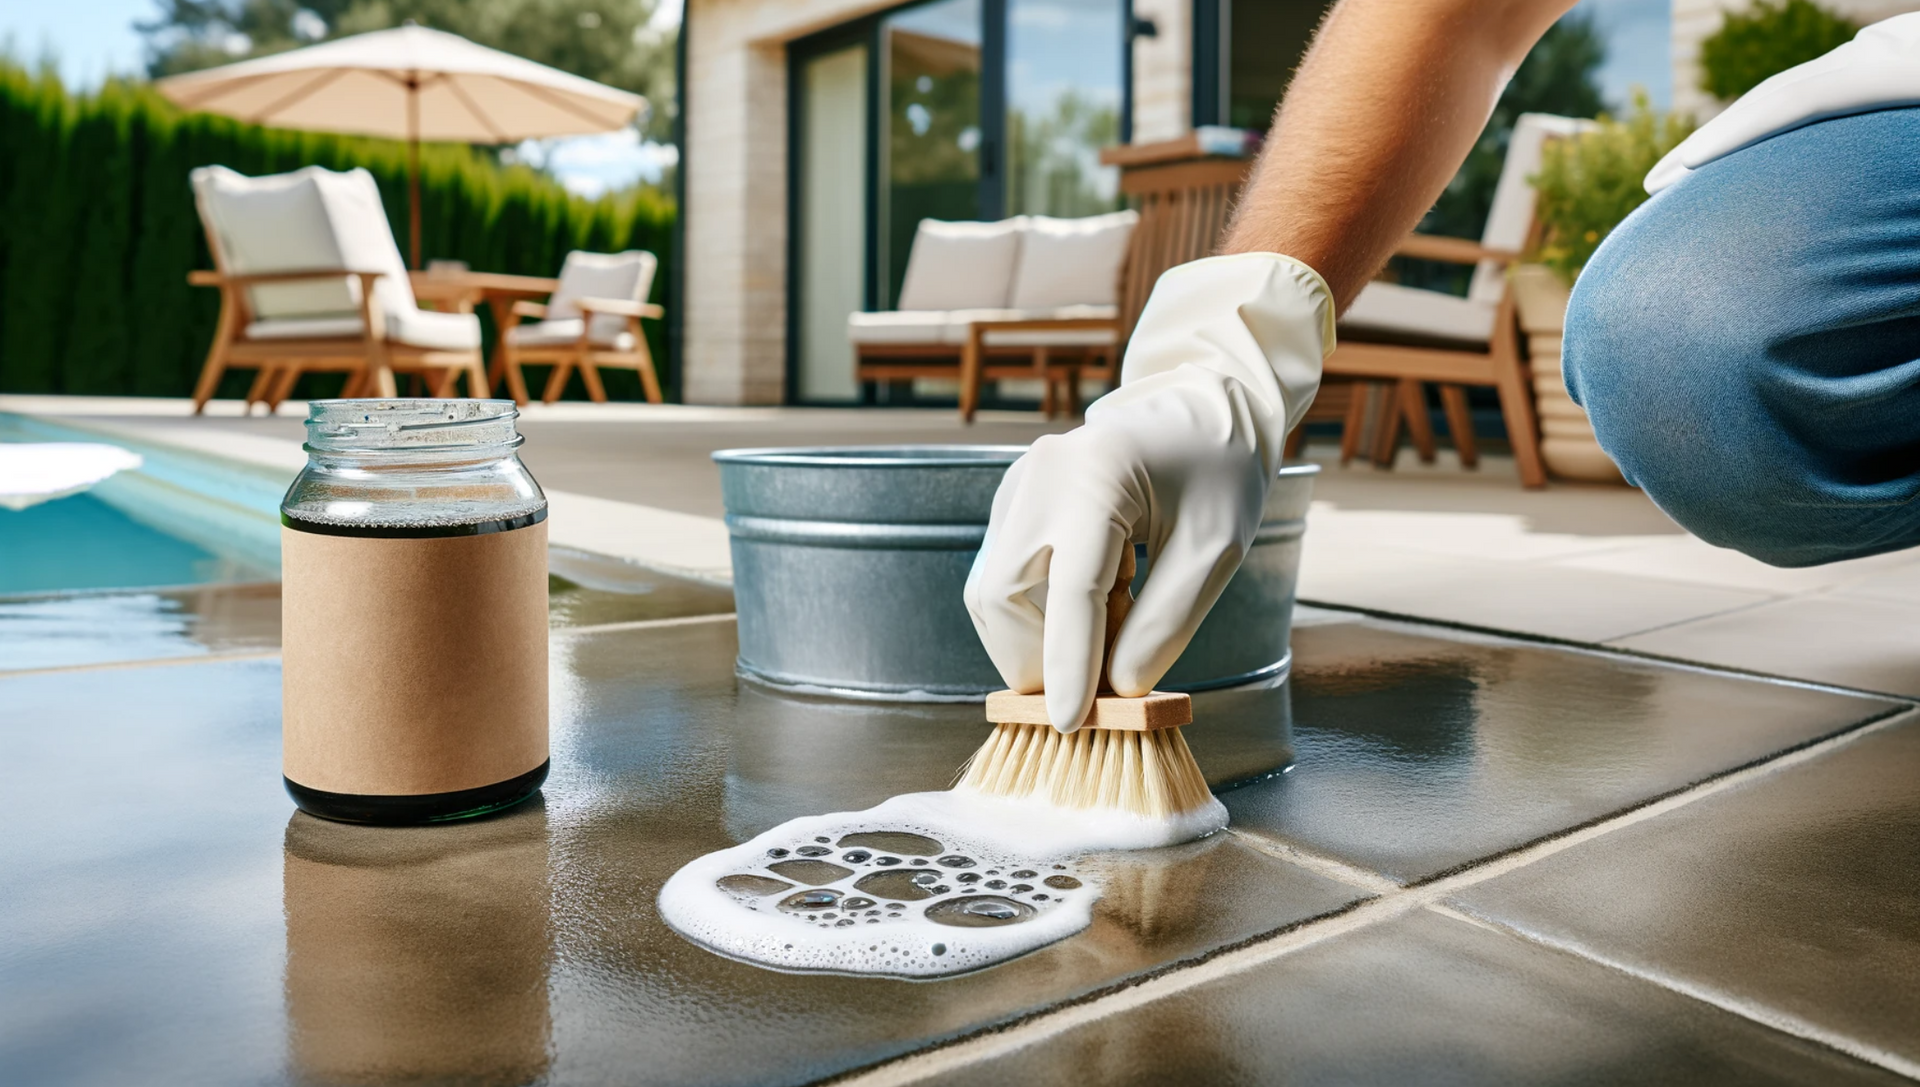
<point x="1636" y="32"/>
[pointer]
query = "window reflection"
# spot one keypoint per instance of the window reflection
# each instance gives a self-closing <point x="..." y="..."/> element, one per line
<point x="932" y="119"/>
<point x="1063" y="105"/>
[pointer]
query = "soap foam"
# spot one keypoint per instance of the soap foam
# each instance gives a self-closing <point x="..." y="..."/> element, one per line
<point x="999" y="834"/>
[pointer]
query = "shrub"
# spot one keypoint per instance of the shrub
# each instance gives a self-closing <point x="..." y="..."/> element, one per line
<point x="1590" y="182"/>
<point x="98" y="230"/>
<point x="1765" y="40"/>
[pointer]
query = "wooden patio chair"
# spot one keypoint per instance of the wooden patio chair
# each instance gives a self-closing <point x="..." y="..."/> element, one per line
<point x="1404" y="337"/>
<point x="310" y="280"/>
<point x="591" y="321"/>
<point x="1185" y="194"/>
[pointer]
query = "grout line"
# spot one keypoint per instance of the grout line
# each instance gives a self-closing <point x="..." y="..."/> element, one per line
<point x="1721" y="614"/>
<point x="150" y="662"/>
<point x="645" y="624"/>
<point x="1599" y="649"/>
<point x="1318" y="863"/>
<point x="1765" y="1016"/>
<point x="1051" y="1022"/>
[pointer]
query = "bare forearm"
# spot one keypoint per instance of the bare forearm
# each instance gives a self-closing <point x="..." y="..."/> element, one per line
<point x="1384" y="109"/>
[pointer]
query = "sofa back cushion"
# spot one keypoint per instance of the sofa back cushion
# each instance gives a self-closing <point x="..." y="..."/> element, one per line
<point x="310" y="218"/>
<point x="961" y="265"/>
<point x="624" y="277"/>
<point x="1071" y="262"/>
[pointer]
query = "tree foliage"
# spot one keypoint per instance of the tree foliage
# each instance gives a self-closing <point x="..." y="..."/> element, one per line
<point x="1765" y="40"/>
<point x="609" y="41"/>
<point x="1590" y="183"/>
<point x="1557" y="77"/>
<point x="98" y="229"/>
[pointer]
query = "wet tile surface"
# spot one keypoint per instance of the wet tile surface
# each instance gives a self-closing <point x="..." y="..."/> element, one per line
<point x="1798" y="892"/>
<point x="97" y="628"/>
<point x="1417" y="754"/>
<point x="181" y="924"/>
<point x="50" y="631"/>
<point x="1422" y="999"/>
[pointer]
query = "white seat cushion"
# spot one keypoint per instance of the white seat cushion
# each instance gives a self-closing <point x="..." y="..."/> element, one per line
<point x="951" y="326"/>
<point x="559" y="333"/>
<point x="1065" y="262"/>
<point x="624" y="277"/>
<point x="310" y="218"/>
<point x="961" y="265"/>
<point x="907" y="326"/>
<point x="416" y="328"/>
<point x="1392" y="311"/>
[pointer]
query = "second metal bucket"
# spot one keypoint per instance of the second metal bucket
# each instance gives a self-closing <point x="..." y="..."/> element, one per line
<point x="849" y="563"/>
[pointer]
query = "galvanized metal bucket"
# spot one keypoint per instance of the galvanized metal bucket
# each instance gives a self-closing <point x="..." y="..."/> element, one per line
<point x="848" y="567"/>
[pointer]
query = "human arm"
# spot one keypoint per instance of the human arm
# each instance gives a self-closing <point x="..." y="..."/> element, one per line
<point x="1389" y="100"/>
<point x="1226" y="356"/>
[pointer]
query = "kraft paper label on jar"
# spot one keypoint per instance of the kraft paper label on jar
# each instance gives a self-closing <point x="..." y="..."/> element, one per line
<point x="413" y="666"/>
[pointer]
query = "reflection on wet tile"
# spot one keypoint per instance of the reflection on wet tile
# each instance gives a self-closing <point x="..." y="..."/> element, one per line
<point x="98" y="628"/>
<point x="1417" y="754"/>
<point x="1422" y="999"/>
<point x="418" y="954"/>
<point x="651" y="772"/>
<point x="1797" y="892"/>
<point x="141" y="895"/>
<point x="588" y="590"/>
<point x="183" y="924"/>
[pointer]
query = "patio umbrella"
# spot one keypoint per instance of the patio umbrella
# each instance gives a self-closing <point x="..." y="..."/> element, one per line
<point x="409" y="83"/>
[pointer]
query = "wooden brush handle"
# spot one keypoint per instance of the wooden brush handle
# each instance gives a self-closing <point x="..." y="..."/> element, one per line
<point x="1119" y="601"/>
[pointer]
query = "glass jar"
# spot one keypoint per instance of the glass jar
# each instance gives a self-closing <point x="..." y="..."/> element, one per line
<point x="414" y="613"/>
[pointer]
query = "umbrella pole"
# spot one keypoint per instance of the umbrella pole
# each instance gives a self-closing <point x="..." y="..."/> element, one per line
<point x="413" y="171"/>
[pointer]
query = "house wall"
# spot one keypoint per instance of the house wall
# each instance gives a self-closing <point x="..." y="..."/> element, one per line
<point x="1694" y="21"/>
<point x="734" y="325"/>
<point x="1163" y="71"/>
<point x="734" y="319"/>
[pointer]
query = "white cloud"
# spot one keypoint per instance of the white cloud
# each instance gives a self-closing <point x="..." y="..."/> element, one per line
<point x="591" y="165"/>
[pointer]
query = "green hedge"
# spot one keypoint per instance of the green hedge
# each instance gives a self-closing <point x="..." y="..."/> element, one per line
<point x="98" y="231"/>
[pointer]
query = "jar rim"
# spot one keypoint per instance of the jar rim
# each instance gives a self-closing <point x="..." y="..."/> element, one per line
<point x="414" y="425"/>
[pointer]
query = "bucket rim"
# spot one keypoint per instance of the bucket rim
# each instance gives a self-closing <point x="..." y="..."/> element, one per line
<point x="874" y="456"/>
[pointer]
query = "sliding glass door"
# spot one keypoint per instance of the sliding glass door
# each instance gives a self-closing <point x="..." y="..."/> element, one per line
<point x="949" y="109"/>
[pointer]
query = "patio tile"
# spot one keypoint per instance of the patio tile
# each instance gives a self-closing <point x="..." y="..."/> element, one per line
<point x="1417" y="754"/>
<point x="1796" y="894"/>
<point x="96" y="628"/>
<point x="182" y="924"/>
<point x="1559" y="602"/>
<point x="1845" y="640"/>
<point x="1692" y="560"/>
<point x="1421" y="999"/>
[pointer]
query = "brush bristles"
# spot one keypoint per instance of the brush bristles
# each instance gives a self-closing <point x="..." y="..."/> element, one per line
<point x="1150" y="773"/>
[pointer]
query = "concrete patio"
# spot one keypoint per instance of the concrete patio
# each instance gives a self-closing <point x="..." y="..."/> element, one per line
<point x="1557" y="793"/>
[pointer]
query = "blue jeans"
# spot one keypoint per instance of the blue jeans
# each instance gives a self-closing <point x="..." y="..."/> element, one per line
<point x="1747" y="344"/>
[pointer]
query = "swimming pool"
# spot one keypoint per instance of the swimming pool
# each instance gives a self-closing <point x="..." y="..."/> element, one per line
<point x="81" y="542"/>
<point x="182" y="518"/>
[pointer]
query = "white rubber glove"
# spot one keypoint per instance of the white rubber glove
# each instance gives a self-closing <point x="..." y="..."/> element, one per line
<point x="1223" y="362"/>
<point x="1878" y="69"/>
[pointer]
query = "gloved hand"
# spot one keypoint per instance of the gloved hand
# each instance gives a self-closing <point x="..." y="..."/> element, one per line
<point x="1223" y="362"/>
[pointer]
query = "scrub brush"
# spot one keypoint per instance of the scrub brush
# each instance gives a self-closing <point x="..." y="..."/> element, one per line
<point x="1129" y="755"/>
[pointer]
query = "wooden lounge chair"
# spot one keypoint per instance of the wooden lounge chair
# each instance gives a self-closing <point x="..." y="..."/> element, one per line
<point x="591" y="321"/>
<point x="310" y="280"/>
<point x="1025" y="298"/>
<point x="1404" y="337"/>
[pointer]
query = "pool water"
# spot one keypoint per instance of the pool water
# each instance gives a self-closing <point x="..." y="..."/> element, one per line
<point x="81" y="542"/>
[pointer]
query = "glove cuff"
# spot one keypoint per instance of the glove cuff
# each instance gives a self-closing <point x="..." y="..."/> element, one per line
<point x="1263" y="319"/>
